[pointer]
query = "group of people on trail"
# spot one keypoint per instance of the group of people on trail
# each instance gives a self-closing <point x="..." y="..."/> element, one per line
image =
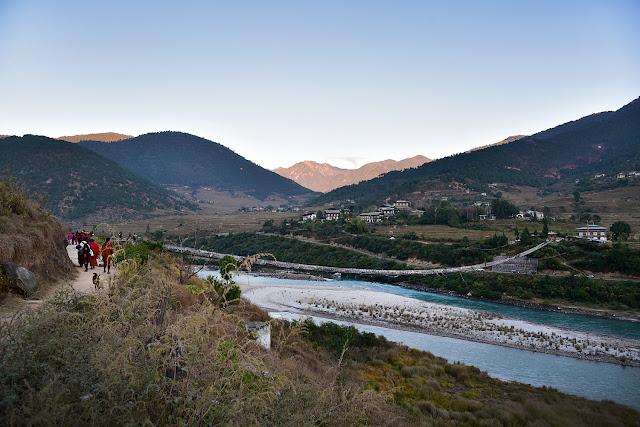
<point x="89" y="253"/>
<point x="79" y="236"/>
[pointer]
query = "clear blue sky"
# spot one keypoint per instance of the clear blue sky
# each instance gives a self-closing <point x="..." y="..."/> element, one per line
<point x="344" y="82"/>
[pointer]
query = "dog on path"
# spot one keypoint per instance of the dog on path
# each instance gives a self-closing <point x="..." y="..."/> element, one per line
<point x="96" y="280"/>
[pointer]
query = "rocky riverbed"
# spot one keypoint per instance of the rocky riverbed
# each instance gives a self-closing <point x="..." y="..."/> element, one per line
<point x="393" y="311"/>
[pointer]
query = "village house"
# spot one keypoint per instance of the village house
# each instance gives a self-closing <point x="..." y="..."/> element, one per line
<point x="552" y="235"/>
<point x="401" y="205"/>
<point x="331" y="214"/>
<point x="371" y="216"/>
<point x="309" y="216"/>
<point x="530" y="214"/>
<point x="593" y="232"/>
<point x="487" y="217"/>
<point x="388" y="211"/>
<point x="417" y="212"/>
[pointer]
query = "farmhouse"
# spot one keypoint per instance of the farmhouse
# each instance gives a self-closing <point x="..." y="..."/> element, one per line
<point x="309" y="216"/>
<point x="331" y="214"/>
<point x="388" y="211"/>
<point x="371" y="216"/>
<point x="401" y="205"/>
<point x="593" y="232"/>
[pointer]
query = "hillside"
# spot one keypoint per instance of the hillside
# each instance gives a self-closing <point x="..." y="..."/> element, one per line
<point x="323" y="177"/>
<point x="176" y="158"/>
<point x="601" y="143"/>
<point x="104" y="137"/>
<point x="80" y="184"/>
<point x="26" y="229"/>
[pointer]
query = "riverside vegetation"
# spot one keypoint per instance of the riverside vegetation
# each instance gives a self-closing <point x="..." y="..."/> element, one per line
<point x="569" y="289"/>
<point x="152" y="350"/>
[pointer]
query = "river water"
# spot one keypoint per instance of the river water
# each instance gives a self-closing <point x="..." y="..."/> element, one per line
<point x="594" y="380"/>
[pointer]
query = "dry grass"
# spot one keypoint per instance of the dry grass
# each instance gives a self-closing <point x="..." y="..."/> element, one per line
<point x="144" y="352"/>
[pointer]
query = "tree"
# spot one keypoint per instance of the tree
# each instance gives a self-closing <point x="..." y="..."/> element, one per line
<point x="503" y="209"/>
<point x="620" y="230"/>
<point x="545" y="227"/>
<point x="525" y="237"/>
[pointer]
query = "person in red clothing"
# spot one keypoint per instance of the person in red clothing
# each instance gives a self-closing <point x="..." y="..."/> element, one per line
<point x="107" y="255"/>
<point x="96" y="252"/>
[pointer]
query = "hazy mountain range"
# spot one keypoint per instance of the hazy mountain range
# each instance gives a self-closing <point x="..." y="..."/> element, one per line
<point x="118" y="178"/>
<point x="323" y="177"/>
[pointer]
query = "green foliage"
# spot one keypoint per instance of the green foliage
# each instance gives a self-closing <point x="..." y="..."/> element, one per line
<point x="613" y="294"/>
<point x="345" y="341"/>
<point x="13" y="197"/>
<point x="356" y="225"/>
<point x="292" y="250"/>
<point x="503" y="209"/>
<point x="545" y="227"/>
<point x="620" y="230"/>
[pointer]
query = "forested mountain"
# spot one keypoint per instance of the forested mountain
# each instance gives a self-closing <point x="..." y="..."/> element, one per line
<point x="104" y="137"/>
<point x="176" y="158"/>
<point x="601" y="143"/>
<point x="80" y="184"/>
<point x="324" y="177"/>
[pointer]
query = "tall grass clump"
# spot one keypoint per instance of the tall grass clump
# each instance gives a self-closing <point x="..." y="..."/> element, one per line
<point x="147" y="351"/>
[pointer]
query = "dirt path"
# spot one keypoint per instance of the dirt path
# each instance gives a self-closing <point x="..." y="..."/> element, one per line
<point x="82" y="282"/>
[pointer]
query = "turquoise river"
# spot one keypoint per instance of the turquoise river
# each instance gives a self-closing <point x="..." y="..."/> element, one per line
<point x="594" y="380"/>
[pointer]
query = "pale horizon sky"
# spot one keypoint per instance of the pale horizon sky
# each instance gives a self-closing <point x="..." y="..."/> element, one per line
<point x="339" y="82"/>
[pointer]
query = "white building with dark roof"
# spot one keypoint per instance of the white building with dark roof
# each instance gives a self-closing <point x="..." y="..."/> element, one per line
<point x="332" y="214"/>
<point x="309" y="216"/>
<point x="593" y="232"/>
<point x="371" y="216"/>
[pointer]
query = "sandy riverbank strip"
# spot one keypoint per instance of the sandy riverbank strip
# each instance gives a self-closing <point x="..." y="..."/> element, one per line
<point x="397" y="312"/>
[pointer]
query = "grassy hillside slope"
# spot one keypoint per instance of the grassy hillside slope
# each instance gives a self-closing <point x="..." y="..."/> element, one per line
<point x="30" y="237"/>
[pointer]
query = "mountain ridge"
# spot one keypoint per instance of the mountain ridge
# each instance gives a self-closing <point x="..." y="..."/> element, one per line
<point x="324" y="177"/>
<point x="80" y="184"/>
<point x="176" y="158"/>
<point x="599" y="143"/>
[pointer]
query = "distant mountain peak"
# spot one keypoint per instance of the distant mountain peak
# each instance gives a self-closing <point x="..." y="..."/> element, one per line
<point x="325" y="177"/>
<point x="102" y="137"/>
